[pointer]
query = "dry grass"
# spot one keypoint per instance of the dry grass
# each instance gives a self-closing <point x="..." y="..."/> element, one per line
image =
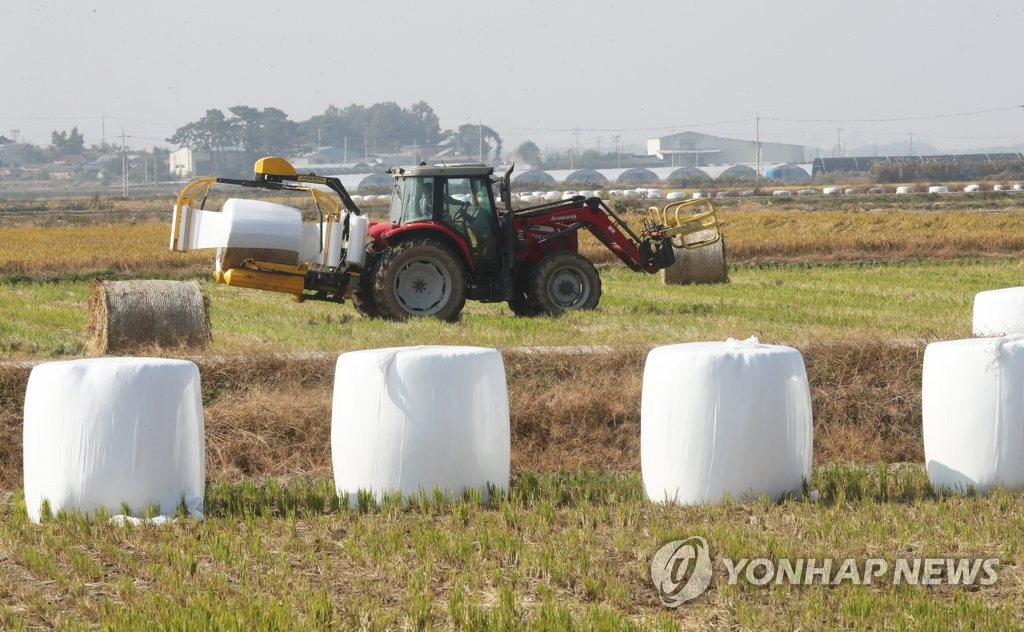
<point x="755" y="234"/>
<point x="13" y="378"/>
<point x="125" y="249"/>
<point x="270" y="415"/>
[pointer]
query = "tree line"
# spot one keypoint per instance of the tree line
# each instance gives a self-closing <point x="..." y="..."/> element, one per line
<point x="378" y="128"/>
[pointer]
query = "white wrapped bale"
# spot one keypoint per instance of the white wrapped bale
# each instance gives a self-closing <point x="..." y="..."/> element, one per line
<point x="261" y="230"/>
<point x="938" y="189"/>
<point x="972" y="188"/>
<point x="264" y="231"/>
<point x="724" y="419"/>
<point x="105" y="432"/>
<point x="904" y="190"/>
<point x="973" y="413"/>
<point x="999" y="312"/>
<point x="411" y="419"/>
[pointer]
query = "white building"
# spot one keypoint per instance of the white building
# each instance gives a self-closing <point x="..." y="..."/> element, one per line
<point x="190" y="163"/>
<point x="693" y="149"/>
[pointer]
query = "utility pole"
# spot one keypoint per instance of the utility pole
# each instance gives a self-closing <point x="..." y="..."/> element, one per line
<point x="577" y="139"/>
<point x="346" y="150"/>
<point x="124" y="167"/>
<point x="480" y="130"/>
<point x="757" y="142"/>
<point x="675" y="146"/>
<point x="911" y="143"/>
<point x="618" y="157"/>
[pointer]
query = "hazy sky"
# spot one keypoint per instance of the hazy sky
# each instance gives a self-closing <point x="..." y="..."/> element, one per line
<point x="531" y="70"/>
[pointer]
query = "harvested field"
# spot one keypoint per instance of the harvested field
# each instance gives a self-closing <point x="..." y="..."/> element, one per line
<point x="859" y="290"/>
<point x="754" y="234"/>
<point x="269" y="416"/>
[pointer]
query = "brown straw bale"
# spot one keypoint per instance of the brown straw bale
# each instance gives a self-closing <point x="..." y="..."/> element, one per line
<point x="698" y="265"/>
<point x="125" y="316"/>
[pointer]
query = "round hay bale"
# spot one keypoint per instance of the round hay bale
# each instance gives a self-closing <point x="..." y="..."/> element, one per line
<point x="701" y="265"/>
<point x="127" y="315"/>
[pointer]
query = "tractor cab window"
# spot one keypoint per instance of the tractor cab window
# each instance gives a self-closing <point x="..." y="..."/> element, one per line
<point x="468" y="207"/>
<point x="412" y="201"/>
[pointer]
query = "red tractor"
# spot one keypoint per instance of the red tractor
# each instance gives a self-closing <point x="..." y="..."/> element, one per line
<point x="445" y="240"/>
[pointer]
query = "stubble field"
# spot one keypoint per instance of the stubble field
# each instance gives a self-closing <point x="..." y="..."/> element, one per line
<point x="858" y="285"/>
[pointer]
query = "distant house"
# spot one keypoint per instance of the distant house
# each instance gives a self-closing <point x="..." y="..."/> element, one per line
<point x="61" y="172"/>
<point x="191" y="163"/>
<point x="70" y="160"/>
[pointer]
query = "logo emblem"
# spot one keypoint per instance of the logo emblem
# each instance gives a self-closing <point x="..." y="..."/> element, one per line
<point x="681" y="570"/>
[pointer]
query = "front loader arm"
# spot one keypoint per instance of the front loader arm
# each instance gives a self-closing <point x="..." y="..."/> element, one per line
<point x="649" y="251"/>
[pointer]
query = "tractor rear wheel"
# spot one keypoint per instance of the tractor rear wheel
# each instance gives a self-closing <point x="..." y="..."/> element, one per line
<point x="419" y="277"/>
<point x="564" y="282"/>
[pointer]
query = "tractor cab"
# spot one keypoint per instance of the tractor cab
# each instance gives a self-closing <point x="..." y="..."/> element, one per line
<point x="459" y="198"/>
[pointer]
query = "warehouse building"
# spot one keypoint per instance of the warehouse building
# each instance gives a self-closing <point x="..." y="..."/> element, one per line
<point x="691" y="149"/>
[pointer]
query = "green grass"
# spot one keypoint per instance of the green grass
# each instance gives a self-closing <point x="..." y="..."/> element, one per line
<point x="560" y="551"/>
<point x="778" y="303"/>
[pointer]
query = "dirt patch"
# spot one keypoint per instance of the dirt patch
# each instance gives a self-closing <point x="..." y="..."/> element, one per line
<point x="271" y="415"/>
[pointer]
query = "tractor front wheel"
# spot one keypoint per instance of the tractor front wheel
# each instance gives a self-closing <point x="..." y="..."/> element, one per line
<point x="362" y="298"/>
<point x="564" y="282"/>
<point x="419" y="277"/>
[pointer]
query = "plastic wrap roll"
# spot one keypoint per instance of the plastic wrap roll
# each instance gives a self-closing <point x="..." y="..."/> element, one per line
<point x="355" y="249"/>
<point x="414" y="418"/>
<point x="724" y="419"/>
<point x="104" y="432"/>
<point x="999" y="312"/>
<point x="972" y="407"/>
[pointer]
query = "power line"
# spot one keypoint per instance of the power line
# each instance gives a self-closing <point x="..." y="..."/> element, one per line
<point x="626" y="129"/>
<point x="896" y="119"/>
